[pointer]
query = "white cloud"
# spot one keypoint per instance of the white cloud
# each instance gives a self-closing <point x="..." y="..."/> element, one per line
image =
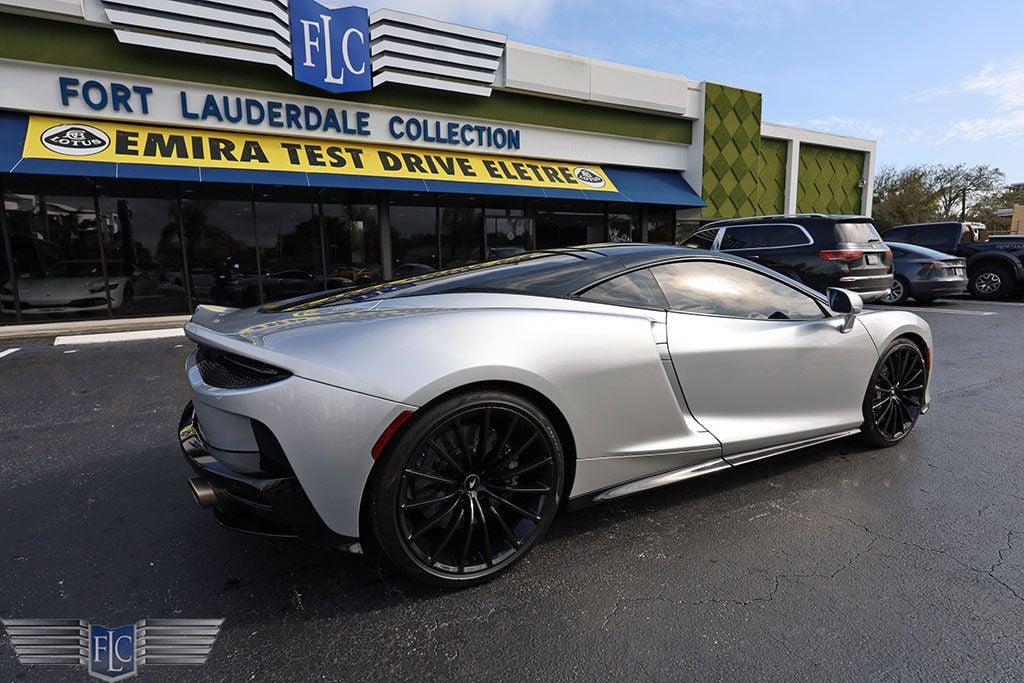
<point x="863" y="128"/>
<point x="482" y="13"/>
<point x="850" y="125"/>
<point x="740" y="12"/>
<point x="1010" y="125"/>
<point x="1003" y="84"/>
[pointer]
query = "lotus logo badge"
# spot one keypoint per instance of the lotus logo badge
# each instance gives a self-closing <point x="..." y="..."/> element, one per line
<point x="588" y="177"/>
<point x="75" y="139"/>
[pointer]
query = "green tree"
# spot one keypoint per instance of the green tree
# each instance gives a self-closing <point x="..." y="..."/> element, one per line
<point x="904" y="196"/>
<point x="958" y="188"/>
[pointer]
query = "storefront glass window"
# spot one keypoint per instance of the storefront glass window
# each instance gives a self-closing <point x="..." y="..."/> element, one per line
<point x="143" y="254"/>
<point x="352" y="241"/>
<point x="461" y="230"/>
<point x="55" y="244"/>
<point x="413" y="219"/>
<point x="568" y="223"/>
<point x="661" y="226"/>
<point x="507" y="228"/>
<point x="624" y="223"/>
<point x="222" y="247"/>
<point x="290" y="250"/>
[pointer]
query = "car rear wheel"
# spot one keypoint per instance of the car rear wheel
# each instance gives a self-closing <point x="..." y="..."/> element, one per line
<point x="896" y="395"/>
<point x="899" y="293"/>
<point x="991" y="282"/>
<point x="467" y="488"/>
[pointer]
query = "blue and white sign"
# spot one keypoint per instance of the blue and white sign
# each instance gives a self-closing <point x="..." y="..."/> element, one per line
<point x="331" y="47"/>
<point x="112" y="652"/>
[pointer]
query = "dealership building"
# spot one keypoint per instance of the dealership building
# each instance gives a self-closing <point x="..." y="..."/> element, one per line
<point x="159" y="155"/>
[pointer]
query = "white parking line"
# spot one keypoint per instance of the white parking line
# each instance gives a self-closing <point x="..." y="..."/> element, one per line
<point x="978" y="302"/>
<point x="933" y="310"/>
<point x="8" y="352"/>
<point x="104" y="338"/>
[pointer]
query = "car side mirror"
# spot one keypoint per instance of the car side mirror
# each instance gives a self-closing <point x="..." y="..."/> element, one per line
<point x="847" y="303"/>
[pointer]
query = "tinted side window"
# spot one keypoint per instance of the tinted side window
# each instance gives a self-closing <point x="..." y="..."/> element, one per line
<point x="728" y="290"/>
<point x="747" y="237"/>
<point x="702" y="239"/>
<point x="899" y="235"/>
<point x="787" y="236"/>
<point x="935" y="236"/>
<point x="638" y="289"/>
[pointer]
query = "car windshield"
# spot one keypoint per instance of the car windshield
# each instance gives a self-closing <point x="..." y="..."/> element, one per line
<point x="541" y="273"/>
<point x="857" y="233"/>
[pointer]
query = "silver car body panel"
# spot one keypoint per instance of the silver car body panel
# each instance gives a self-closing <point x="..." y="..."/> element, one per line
<point x="639" y="389"/>
<point x="734" y="370"/>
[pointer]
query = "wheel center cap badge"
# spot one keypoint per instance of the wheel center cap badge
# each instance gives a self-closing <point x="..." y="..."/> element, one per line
<point x="472" y="482"/>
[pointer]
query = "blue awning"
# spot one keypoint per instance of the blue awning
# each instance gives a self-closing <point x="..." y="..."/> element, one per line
<point x="635" y="185"/>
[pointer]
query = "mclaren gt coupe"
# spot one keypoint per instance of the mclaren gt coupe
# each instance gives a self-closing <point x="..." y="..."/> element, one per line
<point x="446" y="418"/>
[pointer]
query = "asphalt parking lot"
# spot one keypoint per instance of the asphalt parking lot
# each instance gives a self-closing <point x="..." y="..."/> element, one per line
<point x="834" y="563"/>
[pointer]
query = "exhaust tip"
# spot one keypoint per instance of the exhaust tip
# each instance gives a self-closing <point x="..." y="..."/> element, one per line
<point x="203" y="492"/>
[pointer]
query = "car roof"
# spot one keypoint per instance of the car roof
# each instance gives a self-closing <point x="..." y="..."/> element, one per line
<point x="798" y="218"/>
<point x="547" y="272"/>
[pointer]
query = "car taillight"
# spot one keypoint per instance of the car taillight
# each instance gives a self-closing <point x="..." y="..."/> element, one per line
<point x="841" y="255"/>
<point x="936" y="265"/>
<point x="887" y="257"/>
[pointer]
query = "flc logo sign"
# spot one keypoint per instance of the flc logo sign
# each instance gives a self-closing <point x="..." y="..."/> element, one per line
<point x="331" y="46"/>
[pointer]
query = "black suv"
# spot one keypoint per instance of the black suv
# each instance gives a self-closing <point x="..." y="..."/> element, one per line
<point x="818" y="250"/>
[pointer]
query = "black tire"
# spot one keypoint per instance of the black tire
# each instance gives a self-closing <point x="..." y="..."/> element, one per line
<point x="991" y="281"/>
<point x="899" y="295"/>
<point x="895" y="395"/>
<point x="436" y="484"/>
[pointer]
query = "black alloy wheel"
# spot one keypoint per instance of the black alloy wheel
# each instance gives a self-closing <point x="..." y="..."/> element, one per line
<point x="896" y="396"/>
<point x="468" y="488"/>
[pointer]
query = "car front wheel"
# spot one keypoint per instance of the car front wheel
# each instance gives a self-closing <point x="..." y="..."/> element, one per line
<point x="896" y="395"/>
<point x="467" y="488"/>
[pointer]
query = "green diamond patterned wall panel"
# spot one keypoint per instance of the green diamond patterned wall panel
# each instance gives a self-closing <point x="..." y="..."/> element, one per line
<point x="829" y="180"/>
<point x="732" y="151"/>
<point x="771" y="176"/>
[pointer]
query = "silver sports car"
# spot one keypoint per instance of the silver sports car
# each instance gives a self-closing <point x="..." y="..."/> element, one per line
<point x="446" y="418"/>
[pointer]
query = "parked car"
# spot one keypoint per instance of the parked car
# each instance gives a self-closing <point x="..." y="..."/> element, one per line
<point x="924" y="274"/>
<point x="449" y="420"/>
<point x="818" y="250"/>
<point x="71" y="287"/>
<point x="995" y="268"/>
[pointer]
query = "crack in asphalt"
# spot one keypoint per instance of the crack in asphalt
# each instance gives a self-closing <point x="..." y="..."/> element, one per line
<point x="988" y="572"/>
<point x="767" y="597"/>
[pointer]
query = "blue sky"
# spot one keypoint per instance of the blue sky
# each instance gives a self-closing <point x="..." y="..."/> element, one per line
<point x="932" y="82"/>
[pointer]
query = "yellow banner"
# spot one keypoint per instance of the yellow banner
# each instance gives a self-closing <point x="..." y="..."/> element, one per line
<point x="127" y="143"/>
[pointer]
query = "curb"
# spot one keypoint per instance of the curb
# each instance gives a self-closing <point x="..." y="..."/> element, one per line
<point x="57" y="329"/>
